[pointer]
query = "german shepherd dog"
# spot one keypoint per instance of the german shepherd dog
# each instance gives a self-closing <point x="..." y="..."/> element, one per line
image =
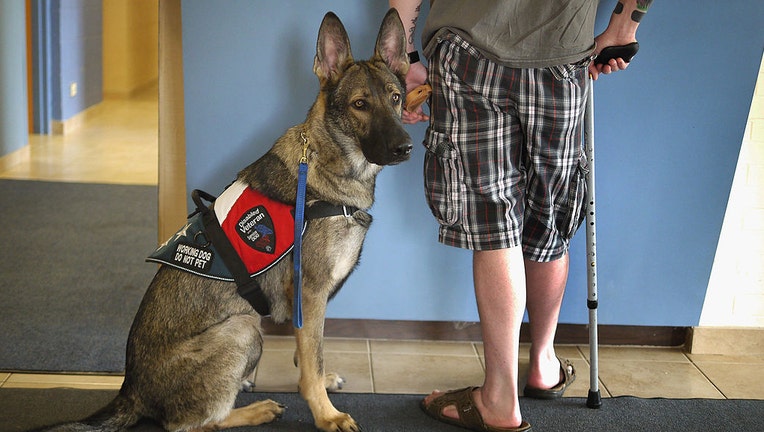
<point x="195" y="342"/>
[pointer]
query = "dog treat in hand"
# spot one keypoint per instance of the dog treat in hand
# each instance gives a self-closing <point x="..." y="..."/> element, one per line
<point x="416" y="97"/>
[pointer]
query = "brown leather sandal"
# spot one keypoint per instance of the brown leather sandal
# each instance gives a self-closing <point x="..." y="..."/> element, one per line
<point x="469" y="416"/>
<point x="567" y="376"/>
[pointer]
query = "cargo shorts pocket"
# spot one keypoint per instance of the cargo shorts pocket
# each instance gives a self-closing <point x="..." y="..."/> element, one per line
<point x="575" y="213"/>
<point x="571" y="71"/>
<point x="443" y="174"/>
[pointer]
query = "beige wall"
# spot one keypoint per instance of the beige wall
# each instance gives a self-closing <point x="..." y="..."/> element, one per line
<point x="735" y="294"/>
<point x="130" y="46"/>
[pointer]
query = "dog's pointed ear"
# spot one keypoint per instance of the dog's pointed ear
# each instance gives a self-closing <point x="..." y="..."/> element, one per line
<point x="391" y="45"/>
<point x="332" y="49"/>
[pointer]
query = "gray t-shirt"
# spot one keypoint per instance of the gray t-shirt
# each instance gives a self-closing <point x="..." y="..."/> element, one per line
<point x="517" y="33"/>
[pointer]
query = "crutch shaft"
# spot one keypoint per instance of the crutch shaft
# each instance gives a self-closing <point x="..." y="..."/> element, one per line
<point x="594" y="399"/>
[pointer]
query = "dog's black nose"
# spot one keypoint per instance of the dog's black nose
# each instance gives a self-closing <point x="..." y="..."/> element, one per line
<point x="403" y="150"/>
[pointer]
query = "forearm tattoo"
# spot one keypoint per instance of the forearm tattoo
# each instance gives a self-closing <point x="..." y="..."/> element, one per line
<point x="412" y="29"/>
<point x="644" y="5"/>
<point x="638" y="13"/>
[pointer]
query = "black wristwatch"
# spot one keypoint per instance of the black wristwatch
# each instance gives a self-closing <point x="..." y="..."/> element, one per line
<point x="413" y="57"/>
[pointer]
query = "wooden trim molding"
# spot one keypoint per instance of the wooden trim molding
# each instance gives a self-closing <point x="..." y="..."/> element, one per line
<point x="172" y="131"/>
<point x="470" y="331"/>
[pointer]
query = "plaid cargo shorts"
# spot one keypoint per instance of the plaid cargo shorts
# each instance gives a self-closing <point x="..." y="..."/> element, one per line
<point x="505" y="164"/>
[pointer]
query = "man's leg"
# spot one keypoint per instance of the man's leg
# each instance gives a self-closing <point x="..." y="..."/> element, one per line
<point x="545" y="283"/>
<point x="499" y="278"/>
<point x="557" y="195"/>
<point x="500" y="292"/>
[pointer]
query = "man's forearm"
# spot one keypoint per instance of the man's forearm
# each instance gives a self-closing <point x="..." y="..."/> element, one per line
<point x="635" y="9"/>
<point x="408" y="10"/>
<point x="642" y="7"/>
<point x="627" y="16"/>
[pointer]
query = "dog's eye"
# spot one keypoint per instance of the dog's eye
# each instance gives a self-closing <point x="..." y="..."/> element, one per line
<point x="360" y="104"/>
<point x="396" y="97"/>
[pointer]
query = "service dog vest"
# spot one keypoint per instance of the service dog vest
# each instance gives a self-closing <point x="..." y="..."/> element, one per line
<point x="242" y="235"/>
<point x="259" y="229"/>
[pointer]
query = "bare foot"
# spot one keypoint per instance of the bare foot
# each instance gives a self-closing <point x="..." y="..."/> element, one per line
<point x="545" y="375"/>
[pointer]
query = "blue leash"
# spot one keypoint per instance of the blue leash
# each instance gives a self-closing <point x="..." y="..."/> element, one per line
<point x="299" y="222"/>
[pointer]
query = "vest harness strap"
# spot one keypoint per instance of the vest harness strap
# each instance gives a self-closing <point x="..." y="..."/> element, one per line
<point x="242" y="234"/>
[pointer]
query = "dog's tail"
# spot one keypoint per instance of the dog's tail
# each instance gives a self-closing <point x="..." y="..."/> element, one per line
<point x="118" y="415"/>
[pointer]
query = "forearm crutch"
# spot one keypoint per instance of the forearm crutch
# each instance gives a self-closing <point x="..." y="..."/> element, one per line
<point x="626" y="52"/>
<point x="594" y="399"/>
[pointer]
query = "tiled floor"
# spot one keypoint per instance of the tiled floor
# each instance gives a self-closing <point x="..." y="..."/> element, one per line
<point x="418" y="367"/>
<point x="118" y="144"/>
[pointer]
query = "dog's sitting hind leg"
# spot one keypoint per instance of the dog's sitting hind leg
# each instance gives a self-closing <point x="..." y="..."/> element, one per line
<point x="332" y="381"/>
<point x="264" y="411"/>
<point x="248" y="384"/>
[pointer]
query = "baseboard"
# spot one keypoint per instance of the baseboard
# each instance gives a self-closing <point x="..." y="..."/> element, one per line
<point x="112" y="93"/>
<point x="470" y="331"/>
<point x="63" y="127"/>
<point x="726" y="340"/>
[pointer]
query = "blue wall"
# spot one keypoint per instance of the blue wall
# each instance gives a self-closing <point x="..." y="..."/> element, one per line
<point x="668" y="134"/>
<point x="68" y="40"/>
<point x="13" y="79"/>
<point x="80" y="44"/>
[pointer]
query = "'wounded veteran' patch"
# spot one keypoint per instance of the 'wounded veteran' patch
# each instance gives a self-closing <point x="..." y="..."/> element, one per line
<point x="260" y="229"/>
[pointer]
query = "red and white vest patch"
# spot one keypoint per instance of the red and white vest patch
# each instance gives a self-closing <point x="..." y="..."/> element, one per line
<point x="260" y="229"/>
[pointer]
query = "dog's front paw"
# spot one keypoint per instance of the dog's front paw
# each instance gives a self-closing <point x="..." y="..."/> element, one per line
<point x="333" y="382"/>
<point x="340" y="423"/>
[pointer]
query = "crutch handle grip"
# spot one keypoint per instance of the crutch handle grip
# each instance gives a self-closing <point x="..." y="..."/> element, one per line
<point x="626" y="52"/>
